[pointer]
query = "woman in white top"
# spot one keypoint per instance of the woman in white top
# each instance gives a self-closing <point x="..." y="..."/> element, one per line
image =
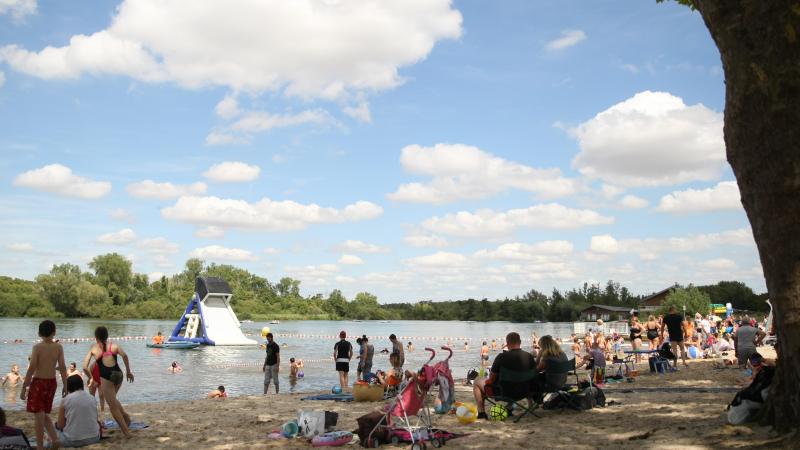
<point x="77" y="416"/>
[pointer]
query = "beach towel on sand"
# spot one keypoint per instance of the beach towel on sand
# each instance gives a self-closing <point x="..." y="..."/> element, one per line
<point x="111" y="424"/>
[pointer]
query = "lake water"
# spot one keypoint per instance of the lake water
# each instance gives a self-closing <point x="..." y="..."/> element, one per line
<point x="239" y="368"/>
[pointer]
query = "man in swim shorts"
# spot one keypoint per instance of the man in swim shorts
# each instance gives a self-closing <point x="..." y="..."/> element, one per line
<point x="342" y="354"/>
<point x="271" y="363"/>
<point x="397" y="347"/>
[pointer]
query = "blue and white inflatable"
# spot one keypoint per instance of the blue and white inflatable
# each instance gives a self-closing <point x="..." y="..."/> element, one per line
<point x="209" y="318"/>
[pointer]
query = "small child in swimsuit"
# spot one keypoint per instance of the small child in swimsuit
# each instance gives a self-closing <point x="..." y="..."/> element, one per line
<point x="40" y="384"/>
<point x="294" y="368"/>
<point x="219" y="392"/>
<point x="12" y="378"/>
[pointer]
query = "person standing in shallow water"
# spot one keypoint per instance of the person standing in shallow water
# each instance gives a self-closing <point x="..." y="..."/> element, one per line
<point x="397" y="347"/>
<point x="272" y="363"/>
<point x="342" y="354"/>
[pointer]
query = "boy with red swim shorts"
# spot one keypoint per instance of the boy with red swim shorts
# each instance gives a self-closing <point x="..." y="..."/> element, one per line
<point x="40" y="384"/>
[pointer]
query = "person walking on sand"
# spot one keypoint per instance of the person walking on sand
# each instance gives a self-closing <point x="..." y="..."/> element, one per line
<point x="272" y="363"/>
<point x="40" y="378"/>
<point x="104" y="352"/>
<point x="342" y="354"/>
<point x="397" y="347"/>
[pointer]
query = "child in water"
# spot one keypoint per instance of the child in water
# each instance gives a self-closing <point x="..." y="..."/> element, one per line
<point x="219" y="392"/>
<point x="175" y="367"/>
<point x="294" y="368"/>
<point x="12" y="378"/>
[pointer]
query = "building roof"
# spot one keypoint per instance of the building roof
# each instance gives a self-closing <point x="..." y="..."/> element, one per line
<point x="610" y="308"/>
<point x="656" y="294"/>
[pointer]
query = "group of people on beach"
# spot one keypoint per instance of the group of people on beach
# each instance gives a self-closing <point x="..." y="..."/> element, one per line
<point x="77" y="423"/>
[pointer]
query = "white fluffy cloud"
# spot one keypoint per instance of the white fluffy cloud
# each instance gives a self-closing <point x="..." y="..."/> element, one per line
<point x="158" y="245"/>
<point x="210" y="232"/>
<point x="351" y="260"/>
<point x="154" y="276"/>
<point x="633" y="202"/>
<point x="220" y="253"/>
<point x="359" y="112"/>
<point x="521" y="251"/>
<point x="313" y="275"/>
<point x="357" y="246"/>
<point x="418" y="238"/>
<point x="227" y="108"/>
<point x="440" y="259"/>
<point x="18" y="9"/>
<point x="649" y="248"/>
<point x="725" y="195"/>
<point x="264" y="214"/>
<point x="463" y="172"/>
<point x="163" y="191"/>
<point x="604" y="244"/>
<point x="720" y="264"/>
<point x="232" y="172"/>
<point x="60" y="180"/>
<point x="651" y="139"/>
<point x="486" y="223"/>
<point x="322" y="49"/>
<point x="121" y="237"/>
<point x="22" y="247"/>
<point x="249" y="123"/>
<point x="568" y="39"/>
<point x="2" y="78"/>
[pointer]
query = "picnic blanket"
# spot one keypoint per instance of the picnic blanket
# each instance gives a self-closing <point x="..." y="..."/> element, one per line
<point x="335" y="397"/>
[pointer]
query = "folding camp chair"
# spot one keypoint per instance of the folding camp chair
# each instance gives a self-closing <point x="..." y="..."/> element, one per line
<point x="516" y="377"/>
<point x="555" y="368"/>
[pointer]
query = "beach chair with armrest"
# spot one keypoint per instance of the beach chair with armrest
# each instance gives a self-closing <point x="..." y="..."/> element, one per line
<point x="517" y="377"/>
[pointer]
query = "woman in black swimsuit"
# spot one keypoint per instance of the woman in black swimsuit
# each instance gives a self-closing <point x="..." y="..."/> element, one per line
<point x="636" y="337"/>
<point x="652" y="328"/>
<point x="105" y="355"/>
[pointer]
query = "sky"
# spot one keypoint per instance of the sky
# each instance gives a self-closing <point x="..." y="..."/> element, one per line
<point x="414" y="149"/>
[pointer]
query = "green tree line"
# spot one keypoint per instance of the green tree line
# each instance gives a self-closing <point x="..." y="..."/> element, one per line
<point x="112" y="290"/>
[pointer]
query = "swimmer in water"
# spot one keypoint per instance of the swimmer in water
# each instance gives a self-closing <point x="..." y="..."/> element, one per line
<point x="218" y="393"/>
<point x="12" y="378"/>
<point x="175" y="367"/>
<point x="73" y="370"/>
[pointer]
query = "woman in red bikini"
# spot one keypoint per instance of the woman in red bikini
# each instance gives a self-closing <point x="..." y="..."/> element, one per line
<point x="105" y="354"/>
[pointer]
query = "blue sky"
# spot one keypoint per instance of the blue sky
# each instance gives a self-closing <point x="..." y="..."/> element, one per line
<point x="417" y="149"/>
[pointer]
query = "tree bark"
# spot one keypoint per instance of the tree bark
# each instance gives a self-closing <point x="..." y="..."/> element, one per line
<point x="758" y="43"/>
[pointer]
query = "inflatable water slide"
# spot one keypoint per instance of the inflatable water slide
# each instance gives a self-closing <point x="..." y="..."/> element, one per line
<point x="209" y="318"/>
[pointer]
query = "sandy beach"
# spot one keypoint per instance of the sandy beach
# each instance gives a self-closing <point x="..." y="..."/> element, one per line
<point x="646" y="418"/>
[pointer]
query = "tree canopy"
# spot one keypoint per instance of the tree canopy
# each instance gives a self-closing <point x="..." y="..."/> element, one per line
<point x="112" y="290"/>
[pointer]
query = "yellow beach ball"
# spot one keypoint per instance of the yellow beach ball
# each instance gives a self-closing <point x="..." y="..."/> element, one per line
<point x="467" y="413"/>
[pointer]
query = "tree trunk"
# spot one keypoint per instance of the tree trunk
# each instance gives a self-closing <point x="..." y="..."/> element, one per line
<point x="758" y="42"/>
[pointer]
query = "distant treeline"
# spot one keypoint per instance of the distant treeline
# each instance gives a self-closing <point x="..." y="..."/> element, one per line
<point x="112" y="290"/>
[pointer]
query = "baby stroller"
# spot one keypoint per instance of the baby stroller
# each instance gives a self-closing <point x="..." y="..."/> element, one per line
<point x="408" y="417"/>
